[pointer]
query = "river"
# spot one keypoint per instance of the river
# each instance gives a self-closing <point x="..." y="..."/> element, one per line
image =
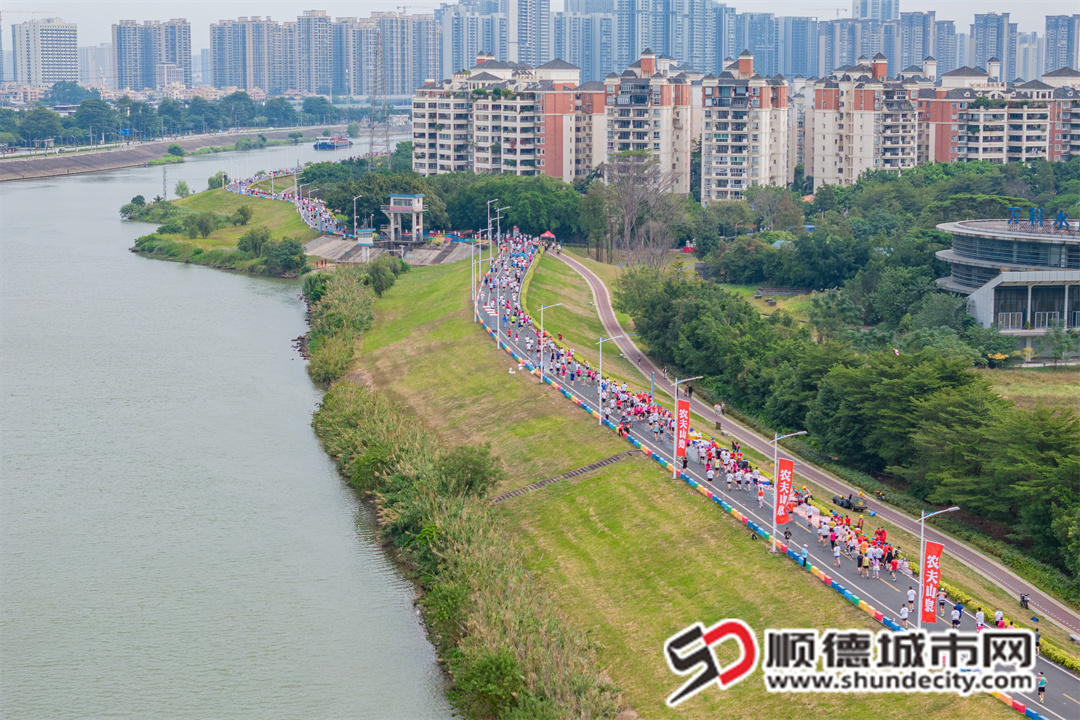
<point x="174" y="543"/>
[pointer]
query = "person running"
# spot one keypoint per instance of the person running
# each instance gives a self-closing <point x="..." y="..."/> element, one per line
<point x="859" y="564"/>
<point x="955" y="618"/>
<point x="823" y="533"/>
<point x="836" y="556"/>
<point x="710" y="474"/>
<point x="893" y="565"/>
<point x="787" y="536"/>
<point x="1038" y="639"/>
<point x="729" y="479"/>
<point x="1042" y="687"/>
<point x="877" y="567"/>
<point x="941" y="597"/>
<point x="903" y="616"/>
<point x="911" y="597"/>
<point x="761" y="496"/>
<point x="980" y="619"/>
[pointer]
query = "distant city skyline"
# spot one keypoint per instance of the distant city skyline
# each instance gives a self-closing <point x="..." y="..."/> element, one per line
<point x="95" y="19"/>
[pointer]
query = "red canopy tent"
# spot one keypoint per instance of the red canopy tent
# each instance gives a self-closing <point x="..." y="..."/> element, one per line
<point x="549" y="235"/>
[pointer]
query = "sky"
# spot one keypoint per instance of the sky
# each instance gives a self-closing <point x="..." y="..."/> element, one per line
<point x="95" y="17"/>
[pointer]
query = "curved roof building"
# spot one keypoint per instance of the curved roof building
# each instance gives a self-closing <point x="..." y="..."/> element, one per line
<point x="1019" y="274"/>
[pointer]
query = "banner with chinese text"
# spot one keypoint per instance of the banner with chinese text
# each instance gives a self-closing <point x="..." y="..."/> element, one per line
<point x="930" y="577"/>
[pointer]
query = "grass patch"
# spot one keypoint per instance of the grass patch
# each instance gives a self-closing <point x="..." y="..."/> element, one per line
<point x="554" y="281"/>
<point x="633" y="557"/>
<point x="1030" y="387"/>
<point x="279" y="217"/>
<point x="797" y="306"/>
<point x="626" y="555"/>
<point x="424" y="352"/>
<point x="166" y="160"/>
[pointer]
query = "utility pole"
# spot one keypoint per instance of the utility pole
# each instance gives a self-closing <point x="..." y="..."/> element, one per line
<point x="164" y="183"/>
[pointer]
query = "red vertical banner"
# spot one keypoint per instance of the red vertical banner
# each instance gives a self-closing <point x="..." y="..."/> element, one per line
<point x="785" y="472"/>
<point x="930" y="577"/>
<point x="682" y="427"/>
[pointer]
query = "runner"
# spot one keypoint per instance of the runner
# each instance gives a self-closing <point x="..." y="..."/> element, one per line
<point x="980" y="618"/>
<point x="836" y="555"/>
<point x="1042" y="687"/>
<point x="911" y="597"/>
<point x="955" y="618"/>
<point x="903" y="616"/>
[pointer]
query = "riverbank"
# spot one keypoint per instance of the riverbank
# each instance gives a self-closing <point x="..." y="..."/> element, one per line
<point x="132" y="156"/>
<point x="268" y="242"/>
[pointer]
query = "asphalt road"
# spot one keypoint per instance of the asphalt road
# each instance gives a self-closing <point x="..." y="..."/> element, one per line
<point x="885" y="594"/>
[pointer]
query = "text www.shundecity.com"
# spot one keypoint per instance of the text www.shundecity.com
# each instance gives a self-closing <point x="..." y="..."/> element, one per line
<point x="910" y="681"/>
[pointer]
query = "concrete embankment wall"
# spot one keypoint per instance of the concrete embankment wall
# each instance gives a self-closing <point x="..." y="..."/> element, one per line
<point x="134" y="156"/>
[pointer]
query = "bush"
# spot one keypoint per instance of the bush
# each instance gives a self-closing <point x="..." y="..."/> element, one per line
<point x="254" y="241"/>
<point x="315" y="286"/>
<point x="176" y="151"/>
<point x="242" y="215"/>
<point x="172" y="227"/>
<point x="488" y="684"/>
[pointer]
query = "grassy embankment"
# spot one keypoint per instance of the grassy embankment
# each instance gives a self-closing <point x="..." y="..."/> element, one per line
<point x="627" y="556"/>
<point x="507" y="651"/>
<point x="218" y="248"/>
<point x="1049" y="385"/>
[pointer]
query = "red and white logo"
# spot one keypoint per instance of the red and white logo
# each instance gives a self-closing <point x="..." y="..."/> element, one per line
<point x="690" y="651"/>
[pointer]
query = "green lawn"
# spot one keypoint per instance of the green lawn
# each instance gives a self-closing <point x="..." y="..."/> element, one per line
<point x="280" y="217"/>
<point x="553" y="281"/>
<point x="627" y="556"/>
<point x="1029" y="387"/>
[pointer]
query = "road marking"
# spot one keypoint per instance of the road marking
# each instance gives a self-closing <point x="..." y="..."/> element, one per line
<point x="1072" y="698"/>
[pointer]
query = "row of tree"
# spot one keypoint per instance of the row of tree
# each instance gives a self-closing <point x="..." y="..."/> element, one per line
<point x="98" y="121"/>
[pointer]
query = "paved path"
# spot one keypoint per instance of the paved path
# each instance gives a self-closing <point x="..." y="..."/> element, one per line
<point x="1063" y="688"/>
<point x="989" y="568"/>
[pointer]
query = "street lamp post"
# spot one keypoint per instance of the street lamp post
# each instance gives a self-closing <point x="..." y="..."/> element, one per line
<point x="776" y="479"/>
<point x="675" y="435"/>
<point x="600" y="381"/>
<point x="922" y="554"/>
<point x="491" y="251"/>
<point x="542" y="338"/>
<point x="354" y="225"/>
<point x="498" y="220"/>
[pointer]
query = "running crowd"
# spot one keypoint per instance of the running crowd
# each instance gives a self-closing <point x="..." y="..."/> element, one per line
<point x="313" y="211"/>
<point x="872" y="552"/>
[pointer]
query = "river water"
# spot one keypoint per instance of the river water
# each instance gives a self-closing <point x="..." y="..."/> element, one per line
<point x="174" y="543"/>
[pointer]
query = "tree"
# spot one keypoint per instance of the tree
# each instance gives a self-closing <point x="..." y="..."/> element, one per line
<point x="217" y="180"/>
<point x="237" y="109"/>
<point x="243" y="215"/>
<point x="640" y="206"/>
<point x="353" y="129"/>
<point x="1058" y="342"/>
<point x="182" y="190"/>
<point x="286" y="256"/>
<point x="401" y="159"/>
<point x="96" y="114"/>
<point x="40" y="124"/>
<point x="295" y="137"/>
<point x="320" y="109"/>
<point x="832" y="312"/>
<point x="68" y="92"/>
<point x="279" y="112"/>
<point x="176" y="151"/>
<point x="254" y="241"/>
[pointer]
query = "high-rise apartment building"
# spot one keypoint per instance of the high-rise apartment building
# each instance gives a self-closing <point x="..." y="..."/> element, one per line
<point x="313" y="52"/>
<point x="654" y="107"/>
<point x="993" y="36"/>
<point x="745" y="131"/>
<point x="468" y="29"/>
<point x="138" y="49"/>
<point x="1062" y="42"/>
<point x="95" y="66"/>
<point x="860" y="120"/>
<point x="586" y="41"/>
<point x="917" y="37"/>
<point x="797" y="52"/>
<point x="528" y="24"/>
<point x="44" y="52"/>
<point x="509" y="118"/>
<point x="875" y="9"/>
<point x="945" y="46"/>
<point x="248" y="53"/>
<point x="1030" y="53"/>
<point x="759" y="33"/>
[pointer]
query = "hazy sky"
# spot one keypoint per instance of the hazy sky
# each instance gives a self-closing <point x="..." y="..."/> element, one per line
<point x="95" y="18"/>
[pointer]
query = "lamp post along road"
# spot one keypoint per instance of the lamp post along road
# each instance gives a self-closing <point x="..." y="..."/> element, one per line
<point x="491" y="254"/>
<point x="922" y="556"/>
<point x="675" y="434"/>
<point x="355" y="225"/>
<point x="542" y="338"/>
<point x="776" y="480"/>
